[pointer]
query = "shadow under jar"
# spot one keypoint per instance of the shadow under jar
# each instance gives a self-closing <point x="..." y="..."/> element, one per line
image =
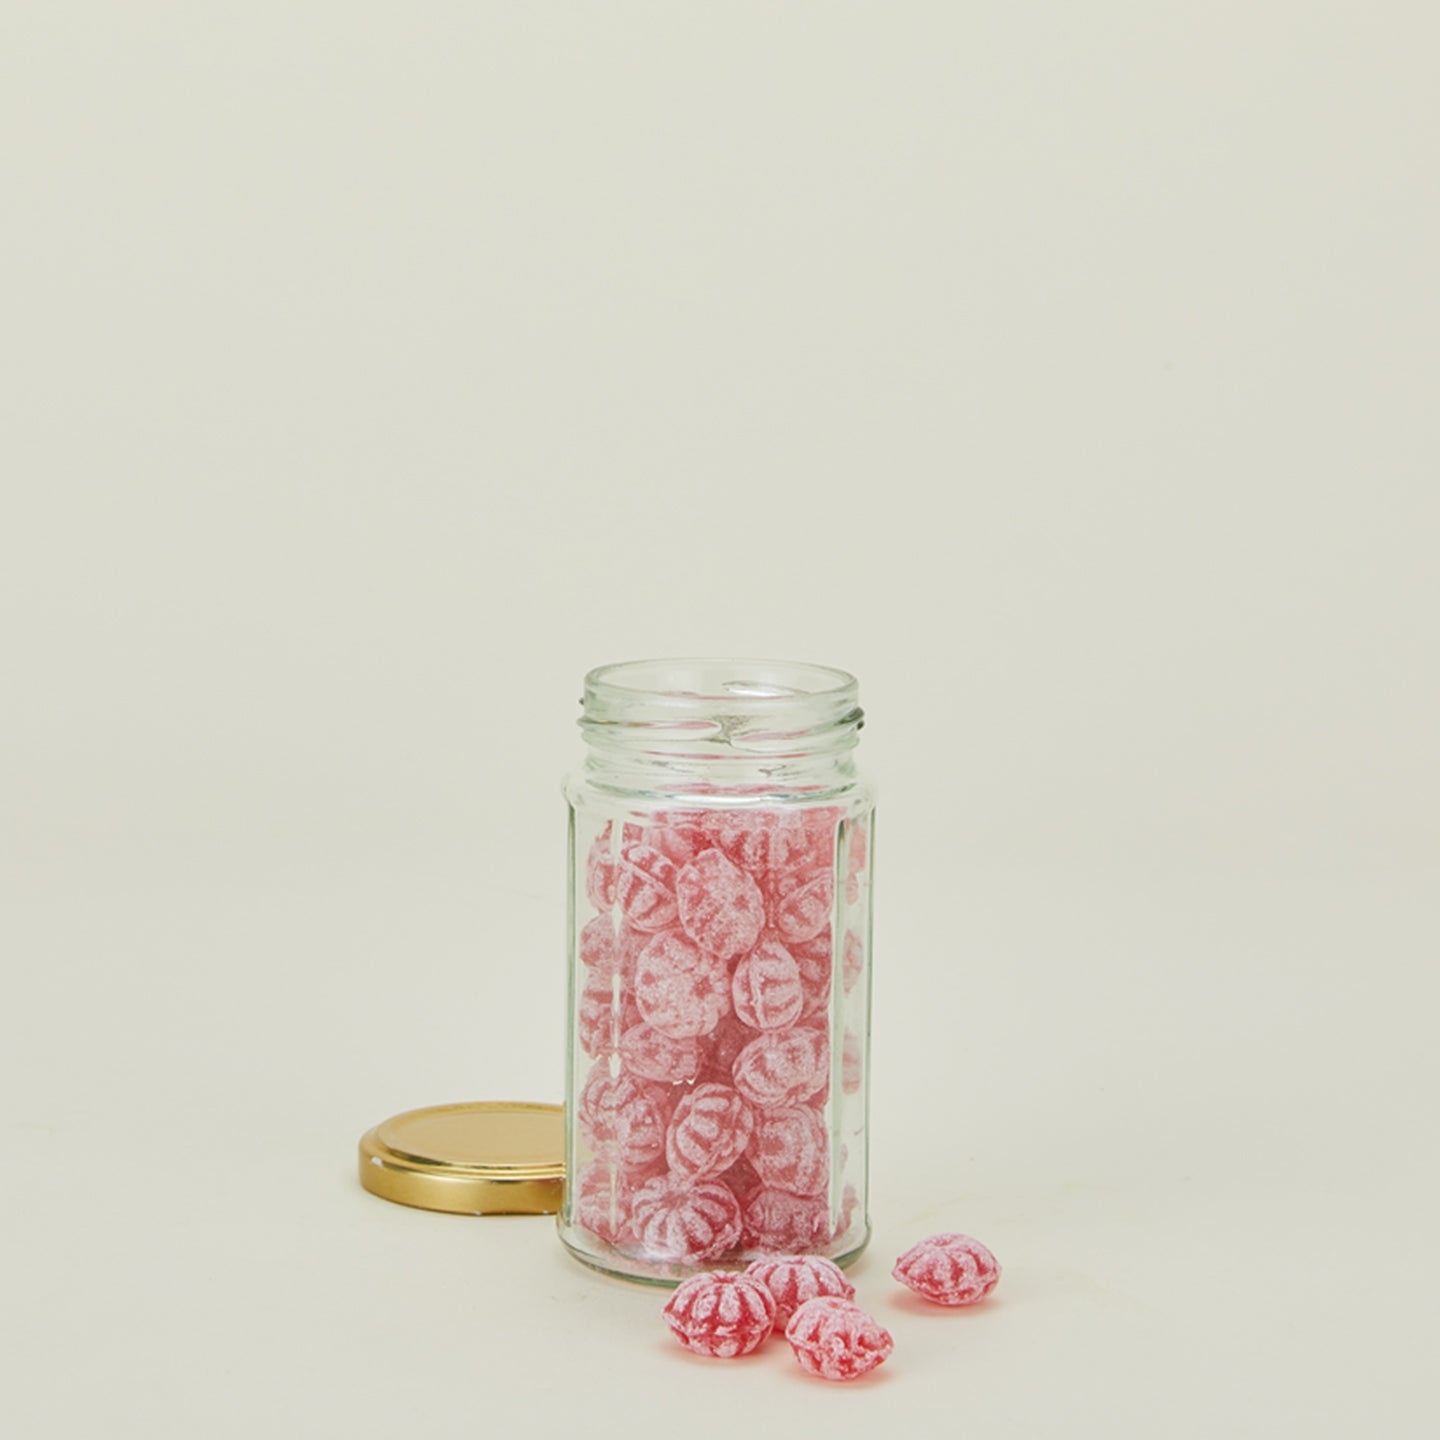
<point x="719" y="981"/>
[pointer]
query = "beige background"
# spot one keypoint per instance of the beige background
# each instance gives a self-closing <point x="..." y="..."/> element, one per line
<point x="1067" y="371"/>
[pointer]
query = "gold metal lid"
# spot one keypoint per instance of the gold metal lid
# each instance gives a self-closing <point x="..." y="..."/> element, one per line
<point x="479" y="1158"/>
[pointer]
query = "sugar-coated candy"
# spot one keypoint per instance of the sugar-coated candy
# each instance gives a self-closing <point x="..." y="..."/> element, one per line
<point x="816" y="959"/>
<point x="600" y="870"/>
<point x="679" y="843"/>
<point x="645" y="887"/>
<point x="790" y="1150"/>
<point x="783" y="1067"/>
<point x="677" y="1220"/>
<point x="766" y="988"/>
<point x="622" y="1118"/>
<point x="606" y="947"/>
<point x="651" y="1055"/>
<point x="794" y="1279"/>
<point x="854" y="962"/>
<point x="948" y="1269"/>
<point x="802" y="905"/>
<point x="604" y="1017"/>
<point x="836" y="1340"/>
<point x="603" y="1198"/>
<point x="779" y="1222"/>
<point x="722" y="1314"/>
<point x="708" y="1132"/>
<point x="721" y="907"/>
<point x="765" y="841"/>
<point x="681" y="989"/>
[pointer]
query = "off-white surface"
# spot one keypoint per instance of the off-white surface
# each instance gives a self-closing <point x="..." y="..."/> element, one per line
<point x="1067" y="371"/>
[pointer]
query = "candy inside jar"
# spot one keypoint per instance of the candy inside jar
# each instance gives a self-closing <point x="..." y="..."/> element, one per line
<point x="720" y="922"/>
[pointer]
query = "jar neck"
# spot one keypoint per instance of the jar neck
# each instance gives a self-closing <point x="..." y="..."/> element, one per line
<point x="732" y="728"/>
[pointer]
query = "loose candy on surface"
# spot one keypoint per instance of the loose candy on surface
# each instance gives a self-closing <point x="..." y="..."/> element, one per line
<point x="621" y="1118"/>
<point x="790" y="1151"/>
<point x="645" y="887"/>
<point x="721" y="908"/>
<point x="681" y="989"/>
<point x="776" y="1222"/>
<point x="949" y="1269"/>
<point x="783" y="1067"/>
<point x="708" y="1133"/>
<point x="794" y="1279"/>
<point x="802" y="904"/>
<point x="836" y="1340"/>
<point x="766" y="990"/>
<point x="722" y="1314"/>
<point x="675" y="1220"/>
<point x="650" y="1055"/>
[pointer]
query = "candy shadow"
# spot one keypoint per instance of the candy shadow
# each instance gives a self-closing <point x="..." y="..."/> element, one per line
<point x="909" y="1303"/>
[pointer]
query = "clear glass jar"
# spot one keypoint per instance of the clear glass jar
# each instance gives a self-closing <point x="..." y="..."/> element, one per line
<point x="719" y="943"/>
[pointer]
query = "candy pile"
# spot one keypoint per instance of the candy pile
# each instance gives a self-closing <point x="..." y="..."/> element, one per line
<point x="808" y="1299"/>
<point x="707" y="1013"/>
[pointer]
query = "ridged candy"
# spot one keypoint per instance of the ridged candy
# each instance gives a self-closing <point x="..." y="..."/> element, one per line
<point x="948" y="1269"/>
<point x="777" y="1222"/>
<point x="722" y="1314"/>
<point x="708" y="1132"/>
<point x="766" y="989"/>
<point x="790" y="1151"/>
<point x="673" y="1220"/>
<point x="621" y="1118"/>
<point x="783" y="1067"/>
<point x="651" y="1055"/>
<point x="721" y="907"/>
<point x="802" y="904"/>
<point x="681" y="989"/>
<point x="794" y="1279"/>
<point x="837" y="1340"/>
<point x="645" y="887"/>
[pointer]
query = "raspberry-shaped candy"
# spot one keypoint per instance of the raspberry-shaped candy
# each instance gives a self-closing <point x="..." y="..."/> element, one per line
<point x="676" y="1220"/>
<point x="766" y="989"/>
<point x="837" y="1340"/>
<point x="681" y="989"/>
<point x="604" y="1016"/>
<point x="778" y="1222"/>
<point x="802" y="904"/>
<point x="723" y="1314"/>
<point x="708" y="1132"/>
<point x="600" y="871"/>
<point x="790" y="1151"/>
<point x="794" y="1279"/>
<point x="721" y="907"/>
<point x="948" y="1269"/>
<point x="783" y="1067"/>
<point x="622" y="1119"/>
<point x="645" y="887"/>
<point x="645" y="1052"/>
<point x="677" y="841"/>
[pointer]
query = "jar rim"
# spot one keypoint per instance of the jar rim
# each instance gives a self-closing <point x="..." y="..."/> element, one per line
<point x="750" y="686"/>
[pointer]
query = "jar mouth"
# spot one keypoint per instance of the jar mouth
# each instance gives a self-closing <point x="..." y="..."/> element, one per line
<point x="744" y="705"/>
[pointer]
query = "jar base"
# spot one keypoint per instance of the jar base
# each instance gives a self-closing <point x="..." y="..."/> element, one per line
<point x="623" y="1267"/>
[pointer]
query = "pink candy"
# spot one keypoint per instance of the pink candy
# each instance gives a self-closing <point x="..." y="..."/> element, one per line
<point x="948" y="1269"/>
<point x="721" y="1314"/>
<point x="721" y="907"/>
<point x="708" y="1132"/>
<point x="621" y="1118"/>
<point x="783" y="1067"/>
<point x="790" y="1151"/>
<point x="681" y="990"/>
<point x="837" y="1340"/>
<point x="780" y="1222"/>
<point x="676" y="1221"/>
<point x="650" y="1055"/>
<point x="802" y="906"/>
<point x="766" y="989"/>
<point x="794" y="1279"/>
<point x="645" y="887"/>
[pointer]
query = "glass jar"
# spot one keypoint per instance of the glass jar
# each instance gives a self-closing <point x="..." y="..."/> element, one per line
<point x="719" y="942"/>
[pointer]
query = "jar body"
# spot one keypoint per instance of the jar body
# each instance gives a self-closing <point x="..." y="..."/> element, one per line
<point x="719" y="997"/>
